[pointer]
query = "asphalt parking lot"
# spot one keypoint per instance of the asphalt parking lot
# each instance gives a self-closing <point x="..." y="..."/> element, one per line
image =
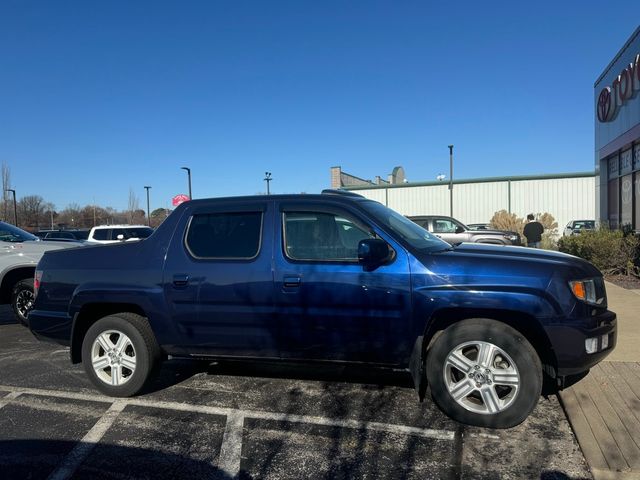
<point x="237" y="420"/>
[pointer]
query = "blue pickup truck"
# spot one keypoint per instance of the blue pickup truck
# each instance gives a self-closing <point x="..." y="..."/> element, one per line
<point x="332" y="277"/>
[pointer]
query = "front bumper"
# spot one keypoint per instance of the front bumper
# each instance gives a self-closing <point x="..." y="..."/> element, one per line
<point x="568" y="343"/>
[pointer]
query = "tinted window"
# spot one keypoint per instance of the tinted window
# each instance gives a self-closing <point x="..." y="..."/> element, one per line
<point x="60" y="235"/>
<point x="9" y="233"/>
<point x="442" y="225"/>
<point x="322" y="236"/>
<point x="117" y="231"/>
<point x="587" y="224"/>
<point x="81" y="234"/>
<point x="101" y="234"/>
<point x="142" y="232"/>
<point x="225" y="235"/>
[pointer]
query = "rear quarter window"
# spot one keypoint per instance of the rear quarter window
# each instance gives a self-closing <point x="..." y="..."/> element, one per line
<point x="233" y="235"/>
<point x="101" y="234"/>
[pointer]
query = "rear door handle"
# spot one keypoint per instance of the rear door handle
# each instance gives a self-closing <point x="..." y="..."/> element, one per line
<point x="180" y="280"/>
<point x="291" y="281"/>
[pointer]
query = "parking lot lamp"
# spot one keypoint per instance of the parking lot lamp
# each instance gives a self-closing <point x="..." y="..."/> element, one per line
<point x="451" y="180"/>
<point x="15" y="207"/>
<point x="148" y="217"/>
<point x="267" y="178"/>
<point x="189" y="177"/>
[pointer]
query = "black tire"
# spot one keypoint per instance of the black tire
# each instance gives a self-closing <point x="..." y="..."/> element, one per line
<point x="22" y="299"/>
<point x="143" y="345"/>
<point x="518" y="403"/>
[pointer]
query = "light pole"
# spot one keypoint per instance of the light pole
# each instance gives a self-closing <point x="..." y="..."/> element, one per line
<point x="451" y="180"/>
<point x="148" y="217"/>
<point x="267" y="178"/>
<point x="15" y="207"/>
<point x="189" y="176"/>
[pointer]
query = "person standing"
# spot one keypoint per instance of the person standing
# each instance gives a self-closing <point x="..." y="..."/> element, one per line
<point x="533" y="231"/>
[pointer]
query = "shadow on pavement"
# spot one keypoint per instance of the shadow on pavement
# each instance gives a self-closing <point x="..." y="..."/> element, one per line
<point x="38" y="458"/>
<point x="353" y="374"/>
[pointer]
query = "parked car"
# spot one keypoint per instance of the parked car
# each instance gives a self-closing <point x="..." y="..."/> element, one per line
<point x="452" y="231"/>
<point x="331" y="277"/>
<point x="20" y="251"/>
<point x="63" y="234"/>
<point x="479" y="226"/>
<point x="575" y="227"/>
<point x="118" y="233"/>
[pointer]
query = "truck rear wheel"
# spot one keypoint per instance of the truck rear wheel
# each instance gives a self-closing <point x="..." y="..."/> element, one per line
<point x="483" y="372"/>
<point x="120" y="354"/>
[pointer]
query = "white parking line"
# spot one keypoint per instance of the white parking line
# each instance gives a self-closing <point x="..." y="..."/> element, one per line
<point x="82" y="450"/>
<point x="8" y="398"/>
<point x="257" y="414"/>
<point x="231" y="450"/>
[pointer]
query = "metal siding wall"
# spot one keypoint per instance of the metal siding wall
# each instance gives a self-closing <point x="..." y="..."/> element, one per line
<point x="477" y="202"/>
<point x="566" y="199"/>
<point x="433" y="200"/>
<point x="376" y="194"/>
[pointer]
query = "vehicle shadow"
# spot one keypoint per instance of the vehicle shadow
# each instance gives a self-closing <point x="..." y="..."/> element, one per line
<point x="176" y="371"/>
<point x="38" y="458"/>
<point x="7" y="317"/>
<point x="352" y="374"/>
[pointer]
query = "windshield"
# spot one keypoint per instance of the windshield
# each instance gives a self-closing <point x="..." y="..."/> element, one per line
<point x="9" y="233"/>
<point x="416" y="236"/>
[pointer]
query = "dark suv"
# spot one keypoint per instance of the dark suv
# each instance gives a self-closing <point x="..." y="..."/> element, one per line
<point x="452" y="231"/>
<point x="332" y="277"/>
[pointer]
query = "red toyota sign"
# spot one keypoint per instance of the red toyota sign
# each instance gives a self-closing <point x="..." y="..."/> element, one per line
<point x="180" y="198"/>
<point x="622" y="89"/>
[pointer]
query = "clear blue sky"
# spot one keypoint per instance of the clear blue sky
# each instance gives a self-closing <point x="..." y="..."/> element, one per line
<point x="100" y="96"/>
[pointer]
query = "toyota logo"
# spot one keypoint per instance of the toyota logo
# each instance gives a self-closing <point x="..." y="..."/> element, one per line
<point x="605" y="105"/>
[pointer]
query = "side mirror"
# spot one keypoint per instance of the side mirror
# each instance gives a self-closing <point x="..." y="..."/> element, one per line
<point x="372" y="252"/>
<point x="459" y="230"/>
<point x="120" y="237"/>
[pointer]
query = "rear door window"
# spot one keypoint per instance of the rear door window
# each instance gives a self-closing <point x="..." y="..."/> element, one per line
<point x="231" y="235"/>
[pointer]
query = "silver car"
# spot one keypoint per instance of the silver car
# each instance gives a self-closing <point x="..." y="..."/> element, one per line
<point x="574" y="227"/>
<point x="20" y="252"/>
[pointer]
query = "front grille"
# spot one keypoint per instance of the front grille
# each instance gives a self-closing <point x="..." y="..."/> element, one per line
<point x="601" y="293"/>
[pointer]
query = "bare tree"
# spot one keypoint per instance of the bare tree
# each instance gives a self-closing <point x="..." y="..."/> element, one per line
<point x="6" y="183"/>
<point x="31" y="210"/>
<point x="134" y="205"/>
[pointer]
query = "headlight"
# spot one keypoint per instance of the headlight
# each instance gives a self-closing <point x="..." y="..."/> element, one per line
<point x="585" y="290"/>
<point x="513" y="238"/>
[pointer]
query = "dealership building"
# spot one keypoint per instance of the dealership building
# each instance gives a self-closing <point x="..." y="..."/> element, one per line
<point x="617" y="138"/>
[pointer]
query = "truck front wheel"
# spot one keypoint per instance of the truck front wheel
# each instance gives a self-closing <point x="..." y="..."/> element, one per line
<point x="483" y="372"/>
<point x="120" y="354"/>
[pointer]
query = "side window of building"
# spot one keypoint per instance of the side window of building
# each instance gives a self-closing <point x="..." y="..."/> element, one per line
<point x="225" y="235"/>
<point x="442" y="225"/>
<point x="101" y="234"/>
<point x="322" y="236"/>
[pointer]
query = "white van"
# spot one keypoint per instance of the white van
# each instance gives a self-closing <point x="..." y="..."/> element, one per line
<point x="118" y="233"/>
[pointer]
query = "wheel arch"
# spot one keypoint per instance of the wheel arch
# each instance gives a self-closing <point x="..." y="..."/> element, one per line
<point x="12" y="277"/>
<point x="88" y="315"/>
<point x="524" y="323"/>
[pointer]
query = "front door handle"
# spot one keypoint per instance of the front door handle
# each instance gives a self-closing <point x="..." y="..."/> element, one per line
<point x="291" y="281"/>
<point x="180" y="280"/>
